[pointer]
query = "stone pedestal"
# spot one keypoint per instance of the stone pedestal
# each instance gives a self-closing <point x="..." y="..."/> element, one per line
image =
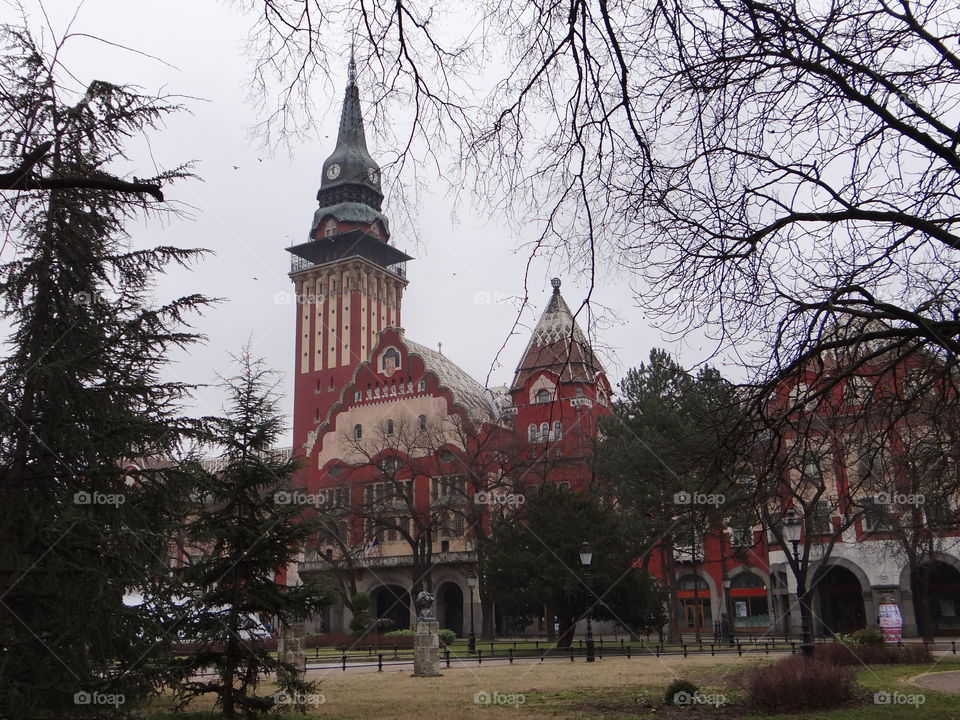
<point x="426" y="649"/>
<point x="291" y="647"/>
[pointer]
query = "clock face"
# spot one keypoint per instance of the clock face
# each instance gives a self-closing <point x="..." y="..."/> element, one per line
<point x="333" y="172"/>
<point x="373" y="174"/>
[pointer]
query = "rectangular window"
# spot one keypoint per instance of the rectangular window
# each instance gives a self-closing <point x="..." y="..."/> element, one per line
<point x="940" y="515"/>
<point x="821" y="518"/>
<point x="876" y="516"/>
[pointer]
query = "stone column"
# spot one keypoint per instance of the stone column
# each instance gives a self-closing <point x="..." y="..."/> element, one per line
<point x="291" y="648"/>
<point x="426" y="649"/>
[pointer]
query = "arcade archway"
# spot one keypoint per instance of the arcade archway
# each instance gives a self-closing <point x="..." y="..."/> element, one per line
<point x="392" y="602"/>
<point x="942" y="585"/>
<point x="841" y="600"/>
<point x="450" y="607"/>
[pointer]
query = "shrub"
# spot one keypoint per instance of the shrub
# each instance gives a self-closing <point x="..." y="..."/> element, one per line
<point x="399" y="634"/>
<point x="447" y="637"/>
<point x="867" y="636"/>
<point x="800" y="683"/>
<point x="339" y="640"/>
<point x="680" y="688"/>
<point x="839" y="654"/>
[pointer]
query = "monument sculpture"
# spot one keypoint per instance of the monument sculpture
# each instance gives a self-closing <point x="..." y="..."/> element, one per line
<point x="426" y="638"/>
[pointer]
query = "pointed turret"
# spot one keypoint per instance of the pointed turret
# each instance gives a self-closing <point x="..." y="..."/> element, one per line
<point x="558" y="346"/>
<point x="350" y="174"/>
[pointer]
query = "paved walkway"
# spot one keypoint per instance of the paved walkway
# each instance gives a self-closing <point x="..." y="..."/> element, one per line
<point x="942" y="681"/>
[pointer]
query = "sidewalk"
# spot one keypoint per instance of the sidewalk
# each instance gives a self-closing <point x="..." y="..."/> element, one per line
<point x="948" y="682"/>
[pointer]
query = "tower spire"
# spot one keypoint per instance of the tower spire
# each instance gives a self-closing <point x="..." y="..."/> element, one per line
<point x="350" y="174"/>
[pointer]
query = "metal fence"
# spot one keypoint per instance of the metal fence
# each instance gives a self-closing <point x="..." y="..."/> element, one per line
<point x="371" y="656"/>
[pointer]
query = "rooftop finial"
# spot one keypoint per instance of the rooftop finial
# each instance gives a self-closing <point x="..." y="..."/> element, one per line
<point x="351" y="67"/>
<point x="556" y="285"/>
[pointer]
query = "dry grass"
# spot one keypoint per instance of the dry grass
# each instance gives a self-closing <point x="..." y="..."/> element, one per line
<point x="549" y="688"/>
<point x="362" y="696"/>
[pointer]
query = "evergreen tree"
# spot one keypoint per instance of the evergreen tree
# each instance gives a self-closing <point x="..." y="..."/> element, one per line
<point x="249" y="529"/>
<point x="533" y="563"/>
<point x="666" y="451"/>
<point x="80" y="399"/>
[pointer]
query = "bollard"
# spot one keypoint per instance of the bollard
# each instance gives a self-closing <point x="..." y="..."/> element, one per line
<point x="793" y="650"/>
<point x="711" y="648"/>
<point x="510" y="653"/>
<point x="658" y="649"/>
<point x="542" y="653"/>
<point x="571" y="654"/>
<point x="379" y="662"/>
<point x="684" y="650"/>
<point x="953" y="646"/>
<point x="479" y="656"/>
<point x="396" y="650"/>
<point x="739" y="649"/>
<point x="446" y="652"/>
<point x="343" y="661"/>
<point x="628" y="652"/>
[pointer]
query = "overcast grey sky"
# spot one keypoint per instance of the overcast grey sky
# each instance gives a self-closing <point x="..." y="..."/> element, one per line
<point x="250" y="205"/>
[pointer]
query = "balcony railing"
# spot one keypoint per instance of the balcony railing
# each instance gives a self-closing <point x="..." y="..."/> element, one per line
<point x="439" y="558"/>
<point x="298" y="263"/>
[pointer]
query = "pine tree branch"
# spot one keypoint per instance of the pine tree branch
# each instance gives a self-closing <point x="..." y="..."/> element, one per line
<point x="21" y="178"/>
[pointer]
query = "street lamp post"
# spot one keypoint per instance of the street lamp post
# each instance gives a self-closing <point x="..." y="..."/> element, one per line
<point x="792" y="528"/>
<point x="586" y="558"/>
<point x="729" y="606"/>
<point x="472" y="638"/>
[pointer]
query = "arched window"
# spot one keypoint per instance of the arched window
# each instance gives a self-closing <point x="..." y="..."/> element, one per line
<point x="557" y="430"/>
<point x="691" y="582"/>
<point x="544" y="396"/>
<point x="533" y="432"/>
<point x="544" y="431"/>
<point x="358" y="432"/>
<point x="747" y="580"/>
<point x="422" y="386"/>
<point x="330" y="228"/>
<point x="389" y="427"/>
<point x="422" y="423"/>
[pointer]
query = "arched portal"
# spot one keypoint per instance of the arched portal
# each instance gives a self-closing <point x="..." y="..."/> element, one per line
<point x="392" y="602"/>
<point x="450" y="607"/>
<point x="936" y="590"/>
<point x="841" y="600"/>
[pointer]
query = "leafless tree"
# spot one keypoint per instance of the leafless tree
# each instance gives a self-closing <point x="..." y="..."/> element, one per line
<point x="768" y="169"/>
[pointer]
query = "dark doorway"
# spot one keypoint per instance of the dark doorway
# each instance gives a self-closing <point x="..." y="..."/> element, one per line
<point x="392" y="602"/>
<point x="841" y="601"/>
<point x="450" y="606"/>
<point x="944" y="591"/>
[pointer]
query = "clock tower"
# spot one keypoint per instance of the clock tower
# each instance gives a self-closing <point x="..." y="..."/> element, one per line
<point x="348" y="277"/>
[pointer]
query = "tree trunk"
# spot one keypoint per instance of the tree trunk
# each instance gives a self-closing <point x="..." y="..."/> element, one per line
<point x="567" y="627"/>
<point x="673" y="616"/>
<point x="486" y="619"/>
<point x="926" y="607"/>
